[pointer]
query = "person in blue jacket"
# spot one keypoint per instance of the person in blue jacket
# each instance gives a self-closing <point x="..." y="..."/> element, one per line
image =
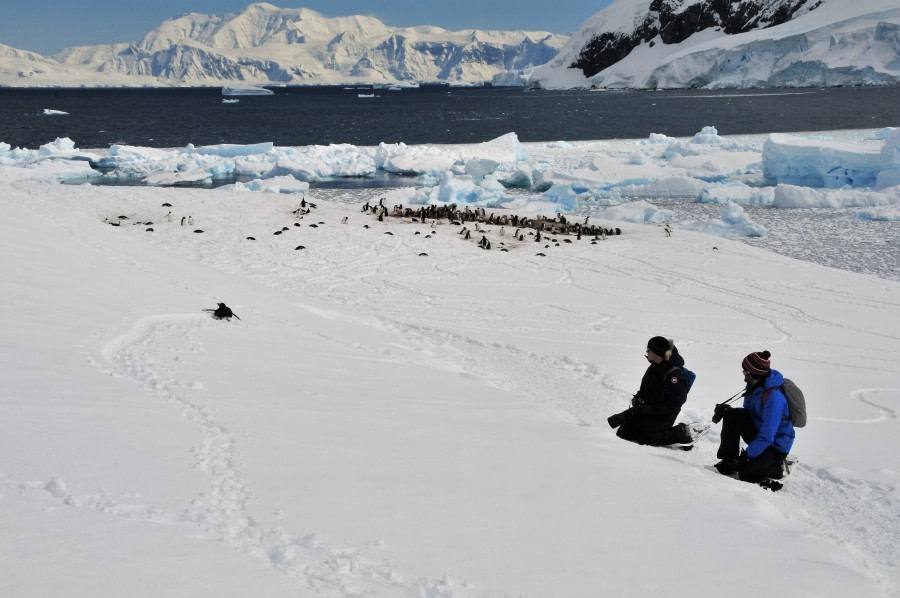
<point x="763" y="423"/>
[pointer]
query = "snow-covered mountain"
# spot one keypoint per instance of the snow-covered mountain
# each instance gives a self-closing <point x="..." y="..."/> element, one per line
<point x="264" y="44"/>
<point x="739" y="44"/>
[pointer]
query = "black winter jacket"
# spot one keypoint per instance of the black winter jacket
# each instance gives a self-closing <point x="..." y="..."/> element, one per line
<point x="663" y="389"/>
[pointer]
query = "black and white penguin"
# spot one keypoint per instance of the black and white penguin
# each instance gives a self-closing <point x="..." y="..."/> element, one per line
<point x="223" y="312"/>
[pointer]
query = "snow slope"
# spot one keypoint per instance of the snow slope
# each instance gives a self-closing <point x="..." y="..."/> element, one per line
<point x="388" y="423"/>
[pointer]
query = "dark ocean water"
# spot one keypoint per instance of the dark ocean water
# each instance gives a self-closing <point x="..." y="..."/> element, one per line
<point x="324" y="115"/>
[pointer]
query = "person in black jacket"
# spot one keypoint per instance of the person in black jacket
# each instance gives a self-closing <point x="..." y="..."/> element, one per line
<point x="655" y="406"/>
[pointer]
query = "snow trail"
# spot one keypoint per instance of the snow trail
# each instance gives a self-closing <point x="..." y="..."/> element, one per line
<point x="143" y="354"/>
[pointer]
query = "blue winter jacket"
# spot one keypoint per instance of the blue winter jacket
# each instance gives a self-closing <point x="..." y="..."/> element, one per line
<point x="771" y="419"/>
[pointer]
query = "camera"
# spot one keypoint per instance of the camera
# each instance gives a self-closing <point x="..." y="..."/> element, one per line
<point x="619" y="418"/>
<point x="719" y="412"/>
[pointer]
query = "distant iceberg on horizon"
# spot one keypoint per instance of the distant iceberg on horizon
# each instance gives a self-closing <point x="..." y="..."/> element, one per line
<point x="246" y="90"/>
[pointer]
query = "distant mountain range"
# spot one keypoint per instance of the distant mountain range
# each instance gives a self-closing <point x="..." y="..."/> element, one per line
<point x="264" y="44"/>
<point x="633" y="44"/>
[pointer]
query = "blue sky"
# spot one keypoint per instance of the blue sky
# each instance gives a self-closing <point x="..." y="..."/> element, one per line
<point x="48" y="26"/>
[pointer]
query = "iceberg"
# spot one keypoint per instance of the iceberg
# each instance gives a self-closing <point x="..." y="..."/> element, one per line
<point x="246" y="90"/>
<point x="792" y="160"/>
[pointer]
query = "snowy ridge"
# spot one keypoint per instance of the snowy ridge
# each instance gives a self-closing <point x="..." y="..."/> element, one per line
<point x="826" y="43"/>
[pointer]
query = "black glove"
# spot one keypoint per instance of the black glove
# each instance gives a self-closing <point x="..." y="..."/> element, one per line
<point x="743" y="459"/>
<point x="720" y="411"/>
<point x="637" y="401"/>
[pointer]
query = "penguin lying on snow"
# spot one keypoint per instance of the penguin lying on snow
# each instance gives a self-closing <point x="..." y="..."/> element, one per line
<point x="223" y="312"/>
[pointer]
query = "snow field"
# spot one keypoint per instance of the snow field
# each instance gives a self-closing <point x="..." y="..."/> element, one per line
<point x="388" y="423"/>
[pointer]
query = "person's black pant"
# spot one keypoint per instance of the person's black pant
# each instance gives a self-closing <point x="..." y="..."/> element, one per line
<point x="737" y="425"/>
<point x="649" y="430"/>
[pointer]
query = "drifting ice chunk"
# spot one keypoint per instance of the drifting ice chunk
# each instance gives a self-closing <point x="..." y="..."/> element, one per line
<point x="638" y="212"/>
<point x="246" y="90"/>
<point x="733" y="222"/>
<point x="563" y="195"/>
<point x="51" y="112"/>
<point x="279" y="184"/>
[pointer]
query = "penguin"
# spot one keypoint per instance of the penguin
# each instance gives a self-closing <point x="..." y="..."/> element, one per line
<point x="190" y="221"/>
<point x="344" y="220"/>
<point x="251" y="238"/>
<point x="223" y="312"/>
<point x="170" y="217"/>
<point x="183" y="220"/>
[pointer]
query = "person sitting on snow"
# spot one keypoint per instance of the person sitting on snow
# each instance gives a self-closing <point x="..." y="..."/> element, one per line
<point x="655" y="406"/>
<point x="763" y="423"/>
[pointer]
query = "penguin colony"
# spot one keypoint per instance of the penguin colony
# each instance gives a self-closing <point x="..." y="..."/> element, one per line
<point x="487" y="230"/>
<point x="539" y="228"/>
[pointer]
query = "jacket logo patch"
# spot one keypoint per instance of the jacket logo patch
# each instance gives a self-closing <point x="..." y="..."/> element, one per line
<point x="674" y="380"/>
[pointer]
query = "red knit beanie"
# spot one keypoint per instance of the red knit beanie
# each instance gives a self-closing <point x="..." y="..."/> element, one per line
<point x="757" y="364"/>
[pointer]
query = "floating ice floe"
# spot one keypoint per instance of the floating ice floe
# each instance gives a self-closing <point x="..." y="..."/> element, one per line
<point x="637" y="212"/>
<point x="51" y="112"/>
<point x="738" y="193"/>
<point x="793" y="196"/>
<point x="279" y="184"/>
<point x="246" y="90"/>
<point x="732" y="222"/>
<point x="887" y="213"/>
